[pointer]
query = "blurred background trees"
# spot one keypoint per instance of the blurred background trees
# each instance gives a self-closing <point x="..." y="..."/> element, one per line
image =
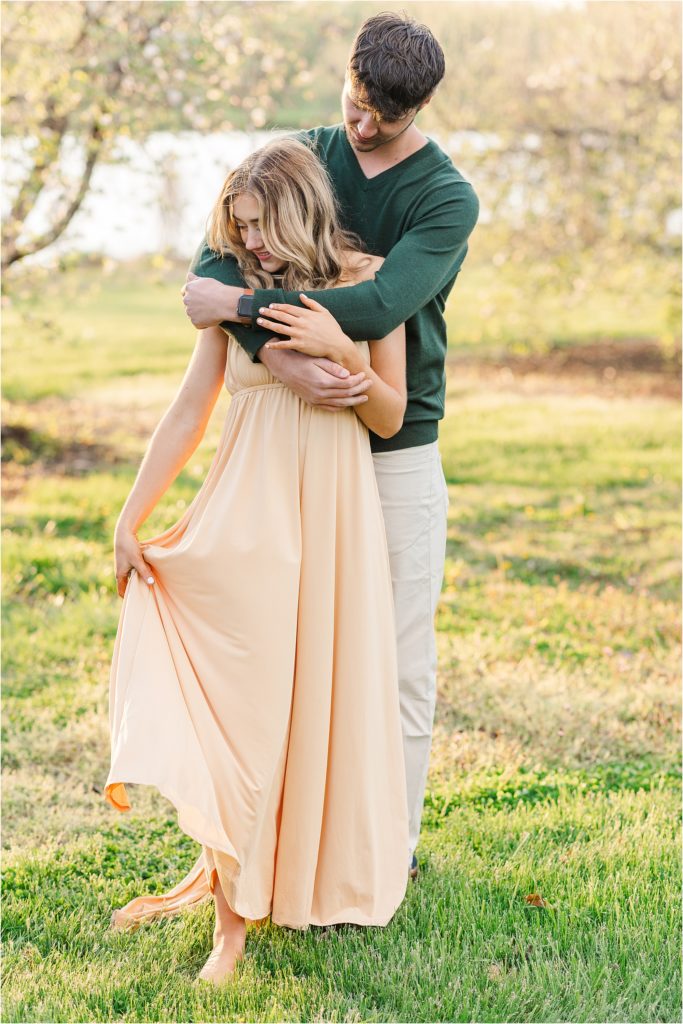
<point x="84" y="74"/>
<point x="583" y="104"/>
<point x="566" y="118"/>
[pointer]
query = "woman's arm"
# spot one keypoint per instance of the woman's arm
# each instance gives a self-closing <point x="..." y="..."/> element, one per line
<point x="386" y="405"/>
<point x="173" y="442"/>
<point x="386" y="399"/>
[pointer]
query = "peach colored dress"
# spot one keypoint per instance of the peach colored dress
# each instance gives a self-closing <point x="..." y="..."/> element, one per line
<point x="255" y="683"/>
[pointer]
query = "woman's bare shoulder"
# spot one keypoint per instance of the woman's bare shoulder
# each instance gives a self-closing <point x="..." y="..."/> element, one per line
<point x="361" y="266"/>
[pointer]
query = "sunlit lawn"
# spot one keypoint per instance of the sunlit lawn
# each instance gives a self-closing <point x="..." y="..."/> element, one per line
<point x="555" y="767"/>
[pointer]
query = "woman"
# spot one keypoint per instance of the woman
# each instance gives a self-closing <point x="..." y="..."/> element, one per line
<point x="253" y="678"/>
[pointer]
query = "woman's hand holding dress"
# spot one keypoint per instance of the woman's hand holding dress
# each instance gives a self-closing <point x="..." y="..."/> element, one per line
<point x="127" y="556"/>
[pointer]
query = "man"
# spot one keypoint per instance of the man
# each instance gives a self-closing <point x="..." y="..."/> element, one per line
<point x="400" y="192"/>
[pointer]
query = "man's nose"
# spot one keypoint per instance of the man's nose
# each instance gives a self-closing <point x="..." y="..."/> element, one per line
<point x="367" y="127"/>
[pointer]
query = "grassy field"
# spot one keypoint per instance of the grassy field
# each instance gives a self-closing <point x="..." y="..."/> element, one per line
<point x="556" y="758"/>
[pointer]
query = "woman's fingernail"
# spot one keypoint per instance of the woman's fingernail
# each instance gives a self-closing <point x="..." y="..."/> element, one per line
<point x="259" y="320"/>
<point x="150" y="579"/>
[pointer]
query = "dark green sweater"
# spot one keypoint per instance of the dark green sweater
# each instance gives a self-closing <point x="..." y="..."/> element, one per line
<point x="418" y="214"/>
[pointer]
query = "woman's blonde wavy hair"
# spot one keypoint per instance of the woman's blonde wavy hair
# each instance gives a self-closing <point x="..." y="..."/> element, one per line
<point x="298" y="218"/>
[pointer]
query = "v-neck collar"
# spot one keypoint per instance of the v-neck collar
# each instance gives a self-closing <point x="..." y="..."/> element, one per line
<point x="379" y="179"/>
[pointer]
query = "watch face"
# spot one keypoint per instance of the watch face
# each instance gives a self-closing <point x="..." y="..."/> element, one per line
<point x="244" y="305"/>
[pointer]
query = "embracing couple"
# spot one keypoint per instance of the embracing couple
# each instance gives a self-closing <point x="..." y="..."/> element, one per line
<point x="274" y="670"/>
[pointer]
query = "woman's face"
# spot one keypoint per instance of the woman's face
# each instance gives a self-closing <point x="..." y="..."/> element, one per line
<point x="246" y="213"/>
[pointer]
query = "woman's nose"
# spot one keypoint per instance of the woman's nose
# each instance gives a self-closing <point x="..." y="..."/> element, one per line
<point x="253" y="240"/>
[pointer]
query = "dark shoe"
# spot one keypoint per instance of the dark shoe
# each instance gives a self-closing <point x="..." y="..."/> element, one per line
<point x="413" y="867"/>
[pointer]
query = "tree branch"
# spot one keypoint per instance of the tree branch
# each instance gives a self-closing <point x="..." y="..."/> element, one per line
<point x="55" y="127"/>
<point x="12" y="252"/>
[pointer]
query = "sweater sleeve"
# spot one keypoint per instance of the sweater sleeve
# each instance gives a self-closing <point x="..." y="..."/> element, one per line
<point x="206" y="263"/>
<point x="426" y="257"/>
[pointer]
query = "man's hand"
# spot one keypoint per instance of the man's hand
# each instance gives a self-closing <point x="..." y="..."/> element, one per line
<point x="320" y="382"/>
<point x="208" y="302"/>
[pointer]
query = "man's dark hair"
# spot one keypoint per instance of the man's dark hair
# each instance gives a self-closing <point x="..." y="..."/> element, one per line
<point x="395" y="64"/>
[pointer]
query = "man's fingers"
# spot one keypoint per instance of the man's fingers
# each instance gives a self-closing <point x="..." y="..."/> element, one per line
<point x="197" y="323"/>
<point x="343" y="392"/>
<point x="342" y="403"/>
<point x="342" y="377"/>
<point x="285" y="343"/>
<point x="335" y="369"/>
<point x="190" y="277"/>
<point x="346" y="384"/>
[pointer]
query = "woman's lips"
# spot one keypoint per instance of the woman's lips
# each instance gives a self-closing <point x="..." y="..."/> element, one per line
<point x="263" y="256"/>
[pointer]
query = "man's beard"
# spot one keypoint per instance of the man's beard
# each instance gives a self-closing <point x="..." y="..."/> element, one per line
<point x="371" y="144"/>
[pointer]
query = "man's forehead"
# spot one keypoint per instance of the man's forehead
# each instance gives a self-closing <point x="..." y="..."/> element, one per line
<point x="357" y="94"/>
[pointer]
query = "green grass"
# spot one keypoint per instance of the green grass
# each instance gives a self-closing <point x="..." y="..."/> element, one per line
<point x="92" y="330"/>
<point x="556" y="759"/>
<point x="465" y="945"/>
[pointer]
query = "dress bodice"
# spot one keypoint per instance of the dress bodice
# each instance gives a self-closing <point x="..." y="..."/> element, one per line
<point x="242" y="373"/>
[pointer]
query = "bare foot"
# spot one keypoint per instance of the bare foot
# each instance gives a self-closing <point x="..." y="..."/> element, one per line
<point x="229" y="938"/>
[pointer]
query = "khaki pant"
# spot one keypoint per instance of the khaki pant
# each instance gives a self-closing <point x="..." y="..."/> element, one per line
<point x="414" y="499"/>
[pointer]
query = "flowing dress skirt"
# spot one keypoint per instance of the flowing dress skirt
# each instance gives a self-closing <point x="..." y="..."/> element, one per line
<point x="255" y="683"/>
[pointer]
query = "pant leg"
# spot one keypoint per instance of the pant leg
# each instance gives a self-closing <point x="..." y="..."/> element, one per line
<point x="414" y="498"/>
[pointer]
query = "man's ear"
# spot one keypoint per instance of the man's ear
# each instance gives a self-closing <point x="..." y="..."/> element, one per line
<point x="425" y="102"/>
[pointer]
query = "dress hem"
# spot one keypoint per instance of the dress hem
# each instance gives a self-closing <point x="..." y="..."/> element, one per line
<point x="341" y="917"/>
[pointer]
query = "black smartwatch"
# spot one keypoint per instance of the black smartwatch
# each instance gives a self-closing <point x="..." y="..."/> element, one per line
<point x="245" y="306"/>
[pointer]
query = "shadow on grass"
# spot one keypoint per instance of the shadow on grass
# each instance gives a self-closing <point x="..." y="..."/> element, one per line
<point x="27" y="446"/>
<point x="538" y="569"/>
